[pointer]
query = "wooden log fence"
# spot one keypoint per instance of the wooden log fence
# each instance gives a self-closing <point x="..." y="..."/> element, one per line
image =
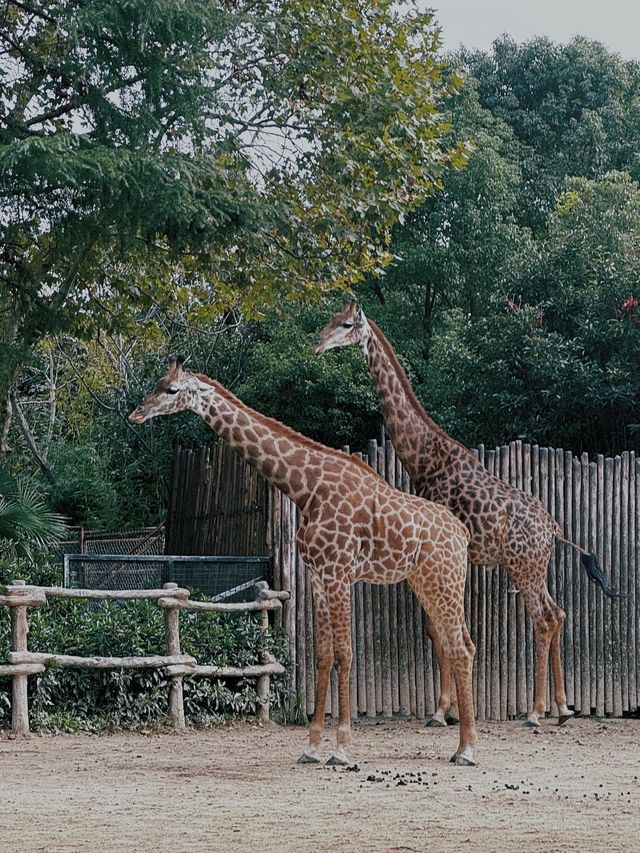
<point x="597" y="504"/>
<point x="22" y="663"/>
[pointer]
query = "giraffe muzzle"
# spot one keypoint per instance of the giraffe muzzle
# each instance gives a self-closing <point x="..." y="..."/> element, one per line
<point x="138" y="415"/>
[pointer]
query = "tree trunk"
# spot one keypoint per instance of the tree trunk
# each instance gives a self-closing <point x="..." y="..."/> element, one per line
<point x="7" y="414"/>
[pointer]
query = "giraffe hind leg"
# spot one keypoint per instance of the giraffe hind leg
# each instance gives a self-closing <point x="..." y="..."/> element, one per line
<point x="458" y="651"/>
<point x="564" y="713"/>
<point x="548" y="620"/>
<point x="462" y="666"/>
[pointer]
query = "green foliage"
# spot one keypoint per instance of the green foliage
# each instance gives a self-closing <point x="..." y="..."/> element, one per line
<point x="83" y="491"/>
<point x="574" y="108"/>
<point x="26" y="522"/>
<point x="513" y="296"/>
<point x="70" y="699"/>
<point x="329" y="399"/>
<point x="199" y="156"/>
<point x="455" y="249"/>
<point x="559" y="356"/>
<point x="510" y="298"/>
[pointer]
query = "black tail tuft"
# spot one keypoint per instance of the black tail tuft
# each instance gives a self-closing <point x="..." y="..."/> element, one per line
<point x="595" y="573"/>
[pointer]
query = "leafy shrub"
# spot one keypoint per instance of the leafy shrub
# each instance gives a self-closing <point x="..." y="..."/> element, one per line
<point x="82" y="490"/>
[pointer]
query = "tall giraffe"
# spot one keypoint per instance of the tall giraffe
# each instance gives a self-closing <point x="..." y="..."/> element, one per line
<point x="507" y="526"/>
<point x="354" y="527"/>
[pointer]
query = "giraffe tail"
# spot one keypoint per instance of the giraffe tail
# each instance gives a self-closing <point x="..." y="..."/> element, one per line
<point x="590" y="564"/>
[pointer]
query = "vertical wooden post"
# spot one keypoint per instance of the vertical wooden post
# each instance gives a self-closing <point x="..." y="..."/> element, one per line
<point x="20" y="702"/>
<point x="385" y="619"/>
<point x="264" y="682"/>
<point x="172" y="642"/>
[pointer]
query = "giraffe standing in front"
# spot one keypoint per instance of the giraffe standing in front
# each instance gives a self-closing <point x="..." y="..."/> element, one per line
<point x="355" y="526"/>
<point x="507" y="526"/>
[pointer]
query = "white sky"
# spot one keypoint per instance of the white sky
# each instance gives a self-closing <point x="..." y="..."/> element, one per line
<point x="475" y="23"/>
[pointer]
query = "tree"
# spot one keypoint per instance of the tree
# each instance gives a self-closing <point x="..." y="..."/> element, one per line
<point x="555" y="358"/>
<point x="203" y="155"/>
<point x="451" y="250"/>
<point x="575" y="109"/>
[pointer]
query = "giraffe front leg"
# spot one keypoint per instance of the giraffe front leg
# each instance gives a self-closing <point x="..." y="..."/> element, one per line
<point x="343" y="667"/>
<point x="324" y="662"/>
<point x="341" y="619"/>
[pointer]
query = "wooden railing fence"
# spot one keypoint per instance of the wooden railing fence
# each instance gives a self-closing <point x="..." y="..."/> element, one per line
<point x="172" y="599"/>
<point x="597" y="504"/>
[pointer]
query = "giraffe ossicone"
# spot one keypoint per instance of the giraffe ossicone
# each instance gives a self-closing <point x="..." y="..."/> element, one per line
<point x="507" y="526"/>
<point x="355" y="526"/>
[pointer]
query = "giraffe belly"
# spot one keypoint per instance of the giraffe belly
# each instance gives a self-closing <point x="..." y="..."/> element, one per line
<point x="485" y="553"/>
<point x="384" y="571"/>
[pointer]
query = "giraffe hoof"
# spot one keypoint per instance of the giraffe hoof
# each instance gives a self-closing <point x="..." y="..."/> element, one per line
<point x="531" y="724"/>
<point x="305" y="758"/>
<point x="336" y="761"/>
<point x="436" y="723"/>
<point x="462" y="760"/>
<point x="451" y="720"/>
<point x="562" y="719"/>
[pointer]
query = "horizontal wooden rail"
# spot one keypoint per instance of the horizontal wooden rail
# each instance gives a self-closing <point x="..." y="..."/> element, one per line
<point x="22" y="668"/>
<point x="110" y="594"/>
<point x="171" y="598"/>
<point x="227" y="671"/>
<point x="136" y="662"/>
<point x="221" y="607"/>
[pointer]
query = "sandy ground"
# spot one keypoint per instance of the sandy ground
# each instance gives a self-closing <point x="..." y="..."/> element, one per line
<point x="238" y="787"/>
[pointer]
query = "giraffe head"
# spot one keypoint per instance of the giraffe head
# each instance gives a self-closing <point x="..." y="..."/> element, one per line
<point x="344" y="329"/>
<point x="173" y="393"/>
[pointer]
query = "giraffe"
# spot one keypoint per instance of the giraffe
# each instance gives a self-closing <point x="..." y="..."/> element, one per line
<point x="507" y="526"/>
<point x="355" y="526"/>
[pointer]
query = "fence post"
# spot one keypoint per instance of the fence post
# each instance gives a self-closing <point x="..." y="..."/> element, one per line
<point x="263" y="684"/>
<point x="172" y="634"/>
<point x="19" y="631"/>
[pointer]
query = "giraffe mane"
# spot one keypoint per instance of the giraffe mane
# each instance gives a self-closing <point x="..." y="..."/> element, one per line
<point x="283" y="429"/>
<point x="408" y="388"/>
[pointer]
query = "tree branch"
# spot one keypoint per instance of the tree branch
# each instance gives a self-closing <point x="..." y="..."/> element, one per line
<point x="38" y="13"/>
<point x="30" y="438"/>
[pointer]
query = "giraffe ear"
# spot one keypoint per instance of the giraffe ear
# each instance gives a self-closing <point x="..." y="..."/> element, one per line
<point x="359" y="317"/>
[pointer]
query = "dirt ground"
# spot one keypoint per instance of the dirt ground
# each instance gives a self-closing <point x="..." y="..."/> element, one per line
<point x="238" y="787"/>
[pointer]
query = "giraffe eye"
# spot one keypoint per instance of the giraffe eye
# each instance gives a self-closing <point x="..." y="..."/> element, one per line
<point x="172" y="390"/>
<point x="347" y="325"/>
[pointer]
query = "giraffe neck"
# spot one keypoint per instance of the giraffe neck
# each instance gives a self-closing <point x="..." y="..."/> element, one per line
<point x="289" y="460"/>
<point x="420" y="443"/>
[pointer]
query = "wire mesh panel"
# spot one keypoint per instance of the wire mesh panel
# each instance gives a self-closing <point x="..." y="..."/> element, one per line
<point x="222" y="578"/>
<point x="143" y="540"/>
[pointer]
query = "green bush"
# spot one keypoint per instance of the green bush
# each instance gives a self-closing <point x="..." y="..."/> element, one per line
<point x="93" y="700"/>
<point x="82" y="490"/>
